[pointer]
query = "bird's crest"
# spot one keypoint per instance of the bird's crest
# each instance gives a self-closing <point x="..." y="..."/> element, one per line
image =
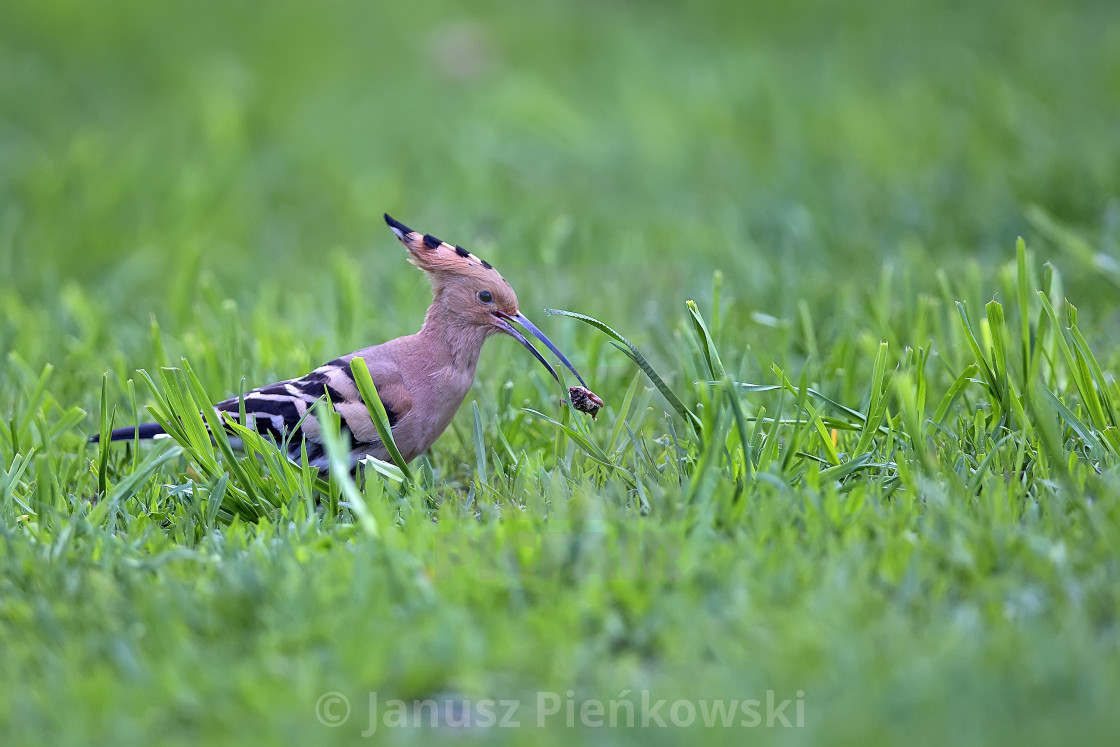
<point x="437" y="256"/>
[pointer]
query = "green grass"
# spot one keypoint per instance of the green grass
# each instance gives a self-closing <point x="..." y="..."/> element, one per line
<point x="876" y="469"/>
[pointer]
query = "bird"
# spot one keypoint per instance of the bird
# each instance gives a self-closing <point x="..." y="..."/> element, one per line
<point x="421" y="379"/>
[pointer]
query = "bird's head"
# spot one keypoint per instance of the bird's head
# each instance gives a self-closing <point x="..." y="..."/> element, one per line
<point x="470" y="291"/>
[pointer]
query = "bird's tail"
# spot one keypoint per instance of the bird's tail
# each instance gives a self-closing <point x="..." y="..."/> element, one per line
<point x="145" y="431"/>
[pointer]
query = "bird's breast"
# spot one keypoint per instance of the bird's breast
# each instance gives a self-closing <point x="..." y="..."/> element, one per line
<point x="436" y="398"/>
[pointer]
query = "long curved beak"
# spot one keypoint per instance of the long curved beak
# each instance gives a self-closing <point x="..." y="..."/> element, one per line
<point x="503" y="322"/>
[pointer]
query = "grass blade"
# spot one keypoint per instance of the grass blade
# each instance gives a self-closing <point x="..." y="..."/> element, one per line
<point x="368" y="390"/>
<point x="128" y="487"/>
<point x="636" y="356"/>
<point x="338" y="454"/>
<point x="479" y="445"/>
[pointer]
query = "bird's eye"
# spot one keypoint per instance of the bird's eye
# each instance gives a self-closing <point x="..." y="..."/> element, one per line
<point x="485" y="297"/>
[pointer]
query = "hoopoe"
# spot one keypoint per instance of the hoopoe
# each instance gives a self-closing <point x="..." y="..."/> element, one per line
<point x="421" y="378"/>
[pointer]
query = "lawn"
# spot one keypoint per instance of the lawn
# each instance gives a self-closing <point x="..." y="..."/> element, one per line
<point x="861" y="449"/>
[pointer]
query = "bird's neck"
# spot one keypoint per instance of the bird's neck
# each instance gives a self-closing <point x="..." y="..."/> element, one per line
<point x="446" y="335"/>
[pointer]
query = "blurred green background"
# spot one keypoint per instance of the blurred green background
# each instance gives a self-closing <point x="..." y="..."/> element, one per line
<point x="208" y="178"/>
<point x="797" y="147"/>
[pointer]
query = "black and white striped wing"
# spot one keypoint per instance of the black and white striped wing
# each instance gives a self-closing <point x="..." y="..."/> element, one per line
<point x="281" y="410"/>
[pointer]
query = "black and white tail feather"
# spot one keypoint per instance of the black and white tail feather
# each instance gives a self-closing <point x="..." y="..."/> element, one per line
<point x="284" y="412"/>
